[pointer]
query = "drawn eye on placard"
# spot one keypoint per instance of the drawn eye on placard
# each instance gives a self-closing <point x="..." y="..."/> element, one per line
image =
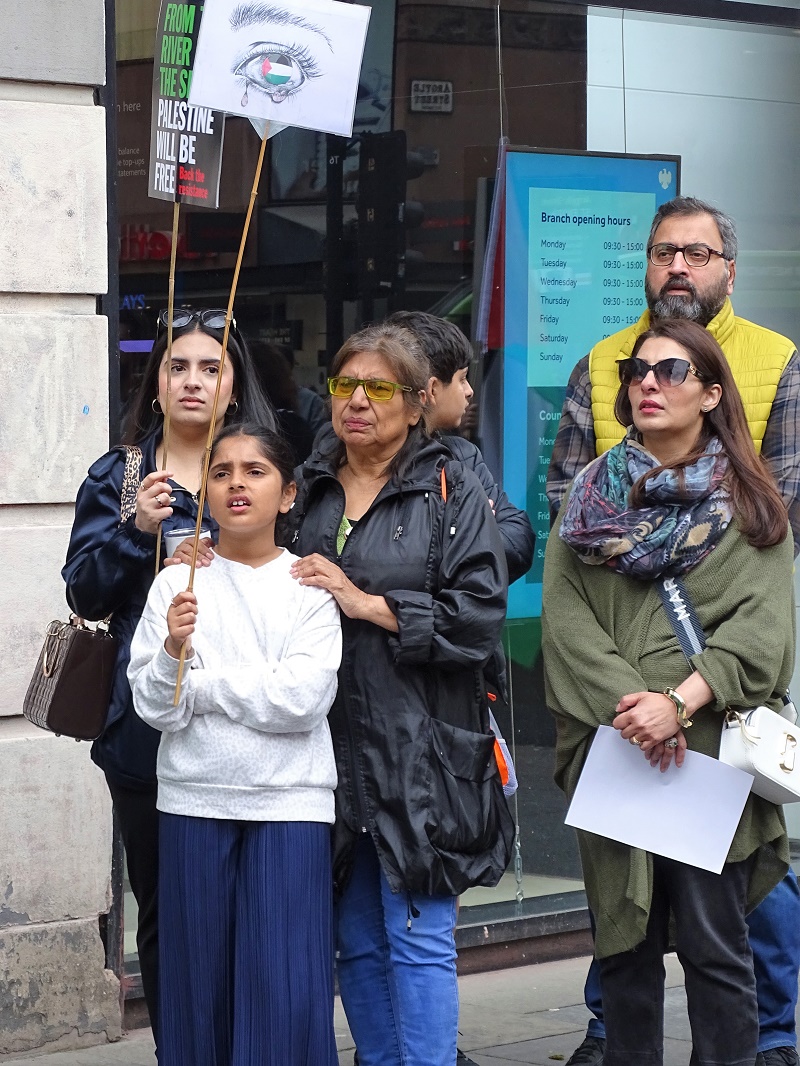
<point x="285" y="59"/>
<point x="277" y="70"/>
<point x="287" y="62"/>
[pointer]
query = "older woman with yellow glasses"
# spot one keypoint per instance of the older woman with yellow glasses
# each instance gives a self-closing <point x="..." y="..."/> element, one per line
<point x="405" y="539"/>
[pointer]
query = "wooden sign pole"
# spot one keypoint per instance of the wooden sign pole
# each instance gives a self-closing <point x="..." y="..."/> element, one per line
<point x="176" y="211"/>
<point x="212" y="427"/>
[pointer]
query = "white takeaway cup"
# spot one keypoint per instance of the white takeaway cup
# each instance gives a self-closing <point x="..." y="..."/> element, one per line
<point x="175" y="537"/>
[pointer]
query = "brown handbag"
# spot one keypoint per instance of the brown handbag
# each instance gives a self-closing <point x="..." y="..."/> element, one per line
<point x="70" y="689"/>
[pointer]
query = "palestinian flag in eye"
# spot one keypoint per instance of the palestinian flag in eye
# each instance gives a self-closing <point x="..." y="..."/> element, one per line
<point x="277" y="68"/>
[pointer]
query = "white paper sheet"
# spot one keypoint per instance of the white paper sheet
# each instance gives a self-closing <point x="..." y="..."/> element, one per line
<point x="294" y="62"/>
<point x="689" y="814"/>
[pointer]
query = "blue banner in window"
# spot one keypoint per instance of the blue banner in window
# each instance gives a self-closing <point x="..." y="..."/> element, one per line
<point x="576" y="228"/>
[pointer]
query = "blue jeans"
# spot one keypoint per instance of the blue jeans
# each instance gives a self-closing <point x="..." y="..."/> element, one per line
<point x="775" y="941"/>
<point x="397" y="969"/>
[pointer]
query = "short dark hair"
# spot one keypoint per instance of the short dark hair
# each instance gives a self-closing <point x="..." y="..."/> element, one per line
<point x="445" y="345"/>
<point x="142" y="420"/>
<point x="685" y="206"/>
<point x="273" y="446"/>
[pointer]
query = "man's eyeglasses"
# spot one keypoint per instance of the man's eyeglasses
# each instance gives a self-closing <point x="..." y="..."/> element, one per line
<point x="211" y="318"/>
<point x="694" y="255"/>
<point x="375" y="388"/>
<point x="669" y="372"/>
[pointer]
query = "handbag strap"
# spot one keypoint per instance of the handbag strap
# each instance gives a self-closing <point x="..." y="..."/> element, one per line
<point x="683" y="618"/>
<point x="131" y="480"/>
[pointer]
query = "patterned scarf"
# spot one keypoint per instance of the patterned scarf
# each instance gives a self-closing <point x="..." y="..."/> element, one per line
<point x="676" y="528"/>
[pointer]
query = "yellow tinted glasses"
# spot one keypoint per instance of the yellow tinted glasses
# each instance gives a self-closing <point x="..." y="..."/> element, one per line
<point x="374" y="388"/>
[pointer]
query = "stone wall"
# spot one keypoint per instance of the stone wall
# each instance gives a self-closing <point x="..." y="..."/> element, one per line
<point x="55" y="820"/>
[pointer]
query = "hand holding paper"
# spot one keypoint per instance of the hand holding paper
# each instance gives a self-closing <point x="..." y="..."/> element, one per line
<point x="621" y="797"/>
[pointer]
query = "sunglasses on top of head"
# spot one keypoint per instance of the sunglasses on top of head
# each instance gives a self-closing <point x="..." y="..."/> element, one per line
<point x="374" y="388"/>
<point x="211" y="318"/>
<point x="669" y="372"/>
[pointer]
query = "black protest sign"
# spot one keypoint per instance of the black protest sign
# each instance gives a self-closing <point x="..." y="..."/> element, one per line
<point x="185" y="141"/>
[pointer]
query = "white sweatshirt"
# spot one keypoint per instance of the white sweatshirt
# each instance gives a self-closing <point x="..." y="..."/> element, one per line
<point x="249" y="738"/>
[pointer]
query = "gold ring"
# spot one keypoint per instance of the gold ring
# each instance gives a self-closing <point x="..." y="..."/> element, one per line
<point x="636" y="741"/>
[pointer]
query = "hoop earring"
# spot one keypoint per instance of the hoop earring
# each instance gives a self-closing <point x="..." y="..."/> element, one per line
<point x="156" y="406"/>
<point x="233" y="408"/>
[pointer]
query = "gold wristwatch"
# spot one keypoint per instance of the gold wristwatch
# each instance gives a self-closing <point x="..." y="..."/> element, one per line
<point x="680" y="707"/>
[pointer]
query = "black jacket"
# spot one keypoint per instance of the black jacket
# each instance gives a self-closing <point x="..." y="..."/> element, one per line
<point x="516" y="532"/>
<point x="513" y="524"/>
<point x="110" y="567"/>
<point x="410" y="729"/>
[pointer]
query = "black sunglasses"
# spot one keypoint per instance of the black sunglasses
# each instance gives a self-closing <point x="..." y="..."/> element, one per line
<point x="211" y="318"/>
<point x="669" y="372"/>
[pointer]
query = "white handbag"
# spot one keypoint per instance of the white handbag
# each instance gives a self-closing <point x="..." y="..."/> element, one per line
<point x="766" y="745"/>
<point x="763" y="743"/>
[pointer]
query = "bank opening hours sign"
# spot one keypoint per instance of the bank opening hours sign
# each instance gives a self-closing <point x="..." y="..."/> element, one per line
<point x="576" y="228"/>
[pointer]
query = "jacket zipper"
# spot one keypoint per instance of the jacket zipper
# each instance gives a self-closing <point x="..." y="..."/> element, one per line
<point x="359" y="798"/>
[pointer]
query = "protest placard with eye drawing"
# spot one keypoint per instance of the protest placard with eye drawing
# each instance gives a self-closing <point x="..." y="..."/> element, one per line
<point x="287" y="63"/>
<point x="292" y="62"/>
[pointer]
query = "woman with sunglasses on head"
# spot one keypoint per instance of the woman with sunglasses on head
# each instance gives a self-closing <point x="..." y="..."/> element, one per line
<point x="683" y="496"/>
<point x="405" y="540"/>
<point x="111" y="563"/>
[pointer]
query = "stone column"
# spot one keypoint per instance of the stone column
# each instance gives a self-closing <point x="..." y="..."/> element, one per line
<point x="55" y="817"/>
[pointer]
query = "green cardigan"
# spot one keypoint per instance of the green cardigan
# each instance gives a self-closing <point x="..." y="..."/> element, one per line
<point x="605" y="635"/>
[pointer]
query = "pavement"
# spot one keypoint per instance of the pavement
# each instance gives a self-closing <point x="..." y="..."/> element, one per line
<point x="530" y="1014"/>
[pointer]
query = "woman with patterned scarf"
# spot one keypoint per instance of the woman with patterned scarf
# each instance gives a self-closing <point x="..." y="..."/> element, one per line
<point x="683" y="495"/>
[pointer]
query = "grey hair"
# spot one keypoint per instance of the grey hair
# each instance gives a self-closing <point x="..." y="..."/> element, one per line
<point x="400" y="347"/>
<point x="683" y="206"/>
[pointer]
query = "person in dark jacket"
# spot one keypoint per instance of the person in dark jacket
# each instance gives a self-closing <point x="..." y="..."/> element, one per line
<point x="404" y="537"/>
<point x="448" y="395"/>
<point x="111" y="564"/>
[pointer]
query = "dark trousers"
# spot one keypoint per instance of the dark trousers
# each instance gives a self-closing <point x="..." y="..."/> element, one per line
<point x="246" y="943"/>
<point x="774" y="927"/>
<point x="713" y="948"/>
<point x="138" y="823"/>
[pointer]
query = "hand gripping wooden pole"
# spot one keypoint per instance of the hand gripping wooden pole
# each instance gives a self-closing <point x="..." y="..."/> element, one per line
<point x="201" y="502"/>
<point x="176" y="211"/>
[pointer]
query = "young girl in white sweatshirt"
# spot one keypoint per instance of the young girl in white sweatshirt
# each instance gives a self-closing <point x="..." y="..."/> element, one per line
<point x="245" y="781"/>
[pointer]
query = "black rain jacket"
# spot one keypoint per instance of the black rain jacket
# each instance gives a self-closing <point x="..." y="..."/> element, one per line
<point x="514" y="526"/>
<point x="110" y="568"/>
<point x="414" y="752"/>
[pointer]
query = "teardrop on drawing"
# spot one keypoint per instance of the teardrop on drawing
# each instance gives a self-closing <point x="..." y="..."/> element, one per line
<point x="244" y="98"/>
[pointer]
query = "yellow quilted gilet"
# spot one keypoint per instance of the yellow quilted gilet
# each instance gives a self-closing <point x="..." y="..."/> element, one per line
<point x="756" y="355"/>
